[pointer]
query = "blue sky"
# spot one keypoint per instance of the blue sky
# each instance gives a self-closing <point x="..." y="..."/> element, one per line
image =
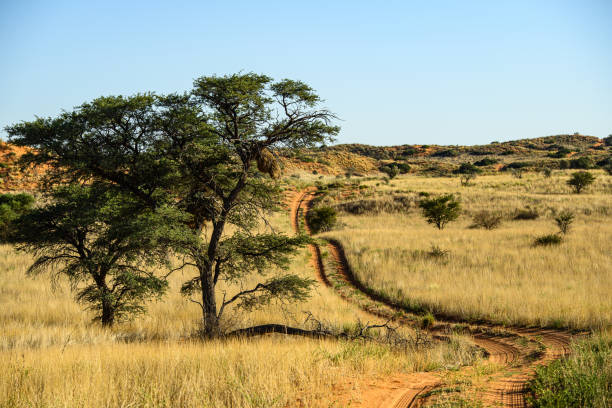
<point x="396" y="72"/>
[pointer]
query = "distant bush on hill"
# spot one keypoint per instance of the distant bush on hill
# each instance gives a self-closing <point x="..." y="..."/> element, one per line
<point x="487" y="161"/>
<point x="446" y="153"/>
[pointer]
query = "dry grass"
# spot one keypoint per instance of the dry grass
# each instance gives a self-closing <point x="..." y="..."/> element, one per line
<point x="494" y="274"/>
<point x="52" y="356"/>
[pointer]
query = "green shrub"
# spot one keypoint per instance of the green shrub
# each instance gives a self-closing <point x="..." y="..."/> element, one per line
<point x="548" y="240"/>
<point x="580" y="180"/>
<point x="11" y="207"/>
<point x="584" y="379"/>
<point x="390" y="171"/>
<point x="608" y="169"/>
<point x="446" y="153"/>
<point x="560" y="154"/>
<point x="441" y="210"/>
<point x="321" y="219"/>
<point x="608" y="140"/>
<point x="467" y="168"/>
<point x="582" y="163"/>
<point x="427" y="321"/>
<point x="486" y="162"/>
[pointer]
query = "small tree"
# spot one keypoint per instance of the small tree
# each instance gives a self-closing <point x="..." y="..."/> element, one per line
<point x="104" y="243"/>
<point x="441" y="210"/>
<point x="390" y="171"/>
<point x="608" y="140"/>
<point x="467" y="172"/>
<point x="321" y="219"/>
<point x="580" y="180"/>
<point x="564" y="221"/>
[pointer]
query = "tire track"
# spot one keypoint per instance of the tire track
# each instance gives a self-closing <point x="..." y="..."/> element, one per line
<point x="501" y="390"/>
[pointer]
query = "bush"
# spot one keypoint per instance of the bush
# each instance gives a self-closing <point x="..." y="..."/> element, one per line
<point x="548" y="240"/>
<point x="321" y="219"/>
<point x="526" y="214"/>
<point x="580" y="180"/>
<point x="608" y="169"/>
<point x="582" y="163"/>
<point x="486" y="162"/>
<point x="608" y="140"/>
<point x="517" y="165"/>
<point x="467" y="168"/>
<point x="560" y="154"/>
<point x="403" y="167"/>
<point x="390" y="171"/>
<point x="564" y="221"/>
<point x="427" y="321"/>
<point x="487" y="219"/>
<point x="446" y="153"/>
<point x="11" y="207"/>
<point x="584" y="379"/>
<point x="441" y="210"/>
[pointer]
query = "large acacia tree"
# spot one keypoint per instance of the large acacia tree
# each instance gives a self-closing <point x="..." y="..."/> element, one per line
<point x="198" y="152"/>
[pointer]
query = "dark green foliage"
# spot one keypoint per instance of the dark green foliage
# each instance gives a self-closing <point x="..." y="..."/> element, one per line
<point x="427" y="321"/>
<point x="440" y="210"/>
<point x="403" y="167"/>
<point x="580" y="180"/>
<point x="605" y="162"/>
<point x="608" y="169"/>
<point x="321" y="219"/>
<point x="446" y="153"/>
<point x="517" y="165"/>
<point x="408" y="151"/>
<point x="486" y="162"/>
<point x="564" y="221"/>
<point x="11" y="207"/>
<point x="526" y="214"/>
<point x="582" y="163"/>
<point x="105" y="243"/>
<point x="608" y="140"/>
<point x="467" y="168"/>
<point x="195" y="153"/>
<point x="486" y="219"/>
<point x="390" y="171"/>
<point x="548" y="240"/>
<point x="584" y="379"/>
<point x="560" y="154"/>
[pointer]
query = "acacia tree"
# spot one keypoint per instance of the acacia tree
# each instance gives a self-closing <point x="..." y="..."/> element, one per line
<point x="440" y="210"/>
<point x="104" y="243"/>
<point x="196" y="152"/>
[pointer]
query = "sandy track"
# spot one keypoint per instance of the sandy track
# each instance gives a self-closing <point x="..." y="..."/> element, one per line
<point x="505" y="389"/>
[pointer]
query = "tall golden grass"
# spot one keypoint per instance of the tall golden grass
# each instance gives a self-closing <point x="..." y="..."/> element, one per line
<point x="51" y="355"/>
<point x="498" y="275"/>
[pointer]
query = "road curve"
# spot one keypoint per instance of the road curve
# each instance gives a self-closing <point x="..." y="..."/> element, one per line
<point x="503" y="349"/>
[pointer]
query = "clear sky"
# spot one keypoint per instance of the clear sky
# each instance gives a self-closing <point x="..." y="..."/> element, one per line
<point x="396" y="72"/>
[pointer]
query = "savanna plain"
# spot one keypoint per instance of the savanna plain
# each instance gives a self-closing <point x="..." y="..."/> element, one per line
<point x="52" y="355"/>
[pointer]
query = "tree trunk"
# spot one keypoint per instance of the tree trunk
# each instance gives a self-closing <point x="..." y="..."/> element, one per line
<point x="108" y="312"/>
<point x="210" y="319"/>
